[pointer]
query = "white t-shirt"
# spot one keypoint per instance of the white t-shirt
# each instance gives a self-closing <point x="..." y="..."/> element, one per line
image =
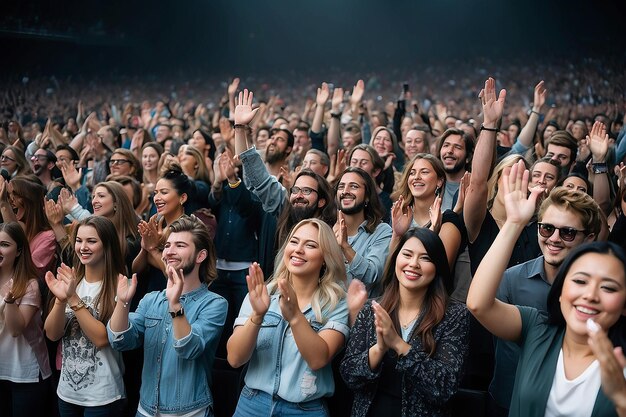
<point x="90" y="376"/>
<point x="574" y="398"/>
<point x="23" y="358"/>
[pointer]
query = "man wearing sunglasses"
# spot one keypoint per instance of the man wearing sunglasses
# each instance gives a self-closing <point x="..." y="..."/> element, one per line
<point x="566" y="219"/>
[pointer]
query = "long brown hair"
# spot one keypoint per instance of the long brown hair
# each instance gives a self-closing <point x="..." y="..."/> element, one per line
<point x="113" y="263"/>
<point x="23" y="267"/>
<point x="436" y="299"/>
<point x="32" y="192"/>
<point x="404" y="189"/>
<point x="124" y="217"/>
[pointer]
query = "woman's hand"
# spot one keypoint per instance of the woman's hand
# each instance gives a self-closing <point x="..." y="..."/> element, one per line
<point x="460" y="201"/>
<point x="356" y="298"/>
<point x="64" y="285"/>
<point x="67" y="200"/>
<point x="401" y="217"/>
<point x="288" y="301"/>
<point x="149" y="231"/>
<point x="386" y="335"/>
<point x="54" y="212"/>
<point x="612" y="365"/>
<point x="337" y="166"/>
<point x="520" y="206"/>
<point x="435" y="215"/>
<point x="257" y="293"/>
<point x="126" y="289"/>
<point x="493" y="106"/>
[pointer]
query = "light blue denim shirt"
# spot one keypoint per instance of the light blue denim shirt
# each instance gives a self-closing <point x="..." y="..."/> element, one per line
<point x="371" y="252"/>
<point x="176" y="374"/>
<point x="277" y="367"/>
<point x="258" y="180"/>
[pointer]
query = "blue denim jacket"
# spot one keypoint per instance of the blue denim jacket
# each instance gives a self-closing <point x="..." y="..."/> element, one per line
<point x="176" y="374"/>
<point x="277" y="367"/>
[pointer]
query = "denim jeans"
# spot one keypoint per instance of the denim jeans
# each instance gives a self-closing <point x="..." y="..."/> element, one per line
<point x="108" y="410"/>
<point x="255" y="403"/>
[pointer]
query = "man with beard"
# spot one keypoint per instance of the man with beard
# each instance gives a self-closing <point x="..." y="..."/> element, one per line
<point x="310" y="195"/>
<point x="179" y="327"/>
<point x="363" y="236"/>
<point x="43" y="164"/>
<point x="567" y="219"/>
<point x="277" y="151"/>
<point x="455" y="149"/>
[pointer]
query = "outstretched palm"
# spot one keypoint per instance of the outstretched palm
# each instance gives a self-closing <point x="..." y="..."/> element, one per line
<point x="243" y="110"/>
<point x="520" y="206"/>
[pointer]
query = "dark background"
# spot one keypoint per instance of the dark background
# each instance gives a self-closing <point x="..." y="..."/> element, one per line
<point x="141" y="37"/>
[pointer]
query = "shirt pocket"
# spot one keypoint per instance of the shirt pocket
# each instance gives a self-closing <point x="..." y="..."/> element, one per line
<point x="153" y="331"/>
<point x="268" y="330"/>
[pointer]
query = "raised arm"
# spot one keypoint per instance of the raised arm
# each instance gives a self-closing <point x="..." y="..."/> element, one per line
<point x="323" y="93"/>
<point x="476" y="195"/>
<point x="243" y="116"/>
<point x="503" y="320"/>
<point x="334" y="129"/>
<point x="598" y="141"/>
<point x="525" y="138"/>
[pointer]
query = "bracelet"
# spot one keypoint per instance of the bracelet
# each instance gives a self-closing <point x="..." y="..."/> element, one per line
<point x="600" y="168"/>
<point x="239" y="126"/>
<point x="125" y="305"/>
<point x="489" y="129"/>
<point x="253" y="322"/>
<point x="234" y="184"/>
<point x="335" y="115"/>
<point x="536" y="112"/>
<point x="10" y="300"/>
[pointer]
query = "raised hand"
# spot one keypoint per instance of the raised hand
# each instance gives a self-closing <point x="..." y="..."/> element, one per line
<point x="257" y="291"/>
<point x="67" y="201"/>
<point x="243" y="110"/>
<point x="357" y="93"/>
<point x="493" y="105"/>
<point x="323" y="93"/>
<point x="337" y="165"/>
<point x="401" y="217"/>
<point x="232" y="87"/>
<point x="598" y="141"/>
<point x="4" y="192"/>
<point x="612" y="364"/>
<point x="54" y="212"/>
<point x="175" y="282"/>
<point x="539" y="98"/>
<point x="63" y="286"/>
<point x="288" y="300"/>
<point x="126" y="289"/>
<point x="460" y="201"/>
<point x="341" y="230"/>
<point x="520" y="206"/>
<point x="150" y="237"/>
<point x="71" y="175"/>
<point x="286" y="177"/>
<point x="337" y="100"/>
<point x="435" y="215"/>
<point x="356" y="298"/>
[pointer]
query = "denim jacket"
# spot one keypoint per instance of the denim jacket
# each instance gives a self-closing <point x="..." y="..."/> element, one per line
<point x="277" y="367"/>
<point x="176" y="374"/>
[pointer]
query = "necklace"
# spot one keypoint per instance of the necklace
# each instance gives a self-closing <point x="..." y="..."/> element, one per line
<point x="406" y="326"/>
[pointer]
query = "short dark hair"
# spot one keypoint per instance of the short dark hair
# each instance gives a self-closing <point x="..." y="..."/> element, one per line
<point x="467" y="139"/>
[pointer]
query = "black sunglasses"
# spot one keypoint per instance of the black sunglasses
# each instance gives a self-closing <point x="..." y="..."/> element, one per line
<point x="566" y="233"/>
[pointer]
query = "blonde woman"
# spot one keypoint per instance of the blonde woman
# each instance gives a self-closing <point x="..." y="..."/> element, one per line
<point x="290" y="329"/>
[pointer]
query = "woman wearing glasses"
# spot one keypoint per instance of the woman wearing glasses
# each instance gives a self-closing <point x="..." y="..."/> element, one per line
<point x="124" y="162"/>
<point x="14" y="162"/>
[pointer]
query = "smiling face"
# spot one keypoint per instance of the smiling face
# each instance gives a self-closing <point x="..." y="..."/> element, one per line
<point x="415" y="269"/>
<point x="149" y="159"/>
<point x="423" y="179"/>
<point x="120" y="165"/>
<point x="553" y="248"/>
<point x="8" y="251"/>
<point x="300" y="200"/>
<point x="594" y="287"/>
<point x="453" y="154"/>
<point x="166" y="199"/>
<point x="180" y="252"/>
<point x="362" y="159"/>
<point x="102" y="202"/>
<point x="351" y="193"/>
<point x="303" y="255"/>
<point x="414" y="143"/>
<point x="88" y="246"/>
<point x="383" y="143"/>
<point x="544" y="175"/>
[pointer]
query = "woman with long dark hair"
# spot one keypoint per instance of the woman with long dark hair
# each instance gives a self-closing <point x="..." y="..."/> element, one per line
<point x="406" y="350"/>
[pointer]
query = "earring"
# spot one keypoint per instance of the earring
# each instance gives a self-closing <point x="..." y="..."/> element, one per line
<point x="114" y="209"/>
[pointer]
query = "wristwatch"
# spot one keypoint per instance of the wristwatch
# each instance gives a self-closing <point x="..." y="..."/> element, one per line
<point x="600" y="168"/>
<point x="78" y="306"/>
<point x="178" y="313"/>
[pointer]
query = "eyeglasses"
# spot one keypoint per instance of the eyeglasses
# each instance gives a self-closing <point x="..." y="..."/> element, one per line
<point x="303" y="190"/>
<point x="118" y="162"/>
<point x="566" y="233"/>
<point x="39" y="157"/>
<point x="6" y="158"/>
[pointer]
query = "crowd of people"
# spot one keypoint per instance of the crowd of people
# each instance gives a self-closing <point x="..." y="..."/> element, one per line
<point x="354" y="255"/>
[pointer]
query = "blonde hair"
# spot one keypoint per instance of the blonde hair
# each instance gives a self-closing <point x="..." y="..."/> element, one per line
<point x="332" y="281"/>
<point x="492" y="183"/>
